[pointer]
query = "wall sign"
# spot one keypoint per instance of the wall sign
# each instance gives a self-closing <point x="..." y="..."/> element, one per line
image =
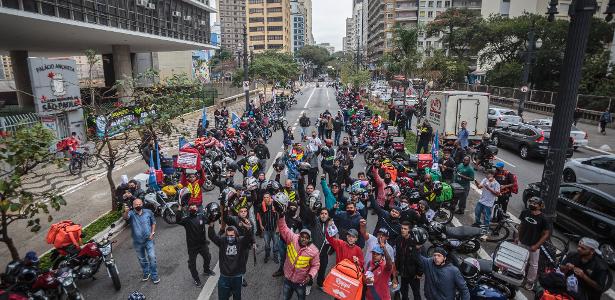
<point x="55" y="85"/>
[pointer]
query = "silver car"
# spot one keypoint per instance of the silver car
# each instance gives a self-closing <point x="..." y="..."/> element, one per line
<point x="580" y="137"/>
<point x="502" y="117"/>
<point x="597" y="169"/>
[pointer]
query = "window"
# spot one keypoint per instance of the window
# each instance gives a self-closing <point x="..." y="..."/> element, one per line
<point x="439" y="4"/>
<point x="274" y="1"/>
<point x="256" y="1"/>
<point x="428" y="44"/>
<point x="259" y="47"/>
<point x="274" y="28"/>
<point x="274" y="19"/>
<point x="430" y="14"/>
<point x="573" y="193"/>
<point x="430" y="4"/>
<point x="605" y="163"/>
<point x="422" y="13"/>
<point x="423" y="3"/>
<point x="275" y="46"/>
<point x="257" y="38"/>
<point x="274" y="38"/>
<point x="256" y="29"/>
<point x="257" y="20"/>
<point x="602" y="205"/>
<point x="256" y="10"/>
<point x="447" y="3"/>
<point x="421" y="44"/>
<point x="274" y="9"/>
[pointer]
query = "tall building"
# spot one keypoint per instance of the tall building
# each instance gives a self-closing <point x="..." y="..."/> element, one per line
<point x="380" y="24"/>
<point x="298" y="25"/>
<point x="269" y="25"/>
<point x="428" y="11"/>
<point x="350" y="36"/>
<point x="309" y="36"/>
<point x="5" y="67"/>
<point x="358" y="18"/>
<point x="519" y="7"/>
<point x="345" y="45"/>
<point x="232" y="17"/>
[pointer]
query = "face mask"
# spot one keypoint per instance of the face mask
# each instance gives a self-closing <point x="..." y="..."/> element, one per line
<point x="387" y="180"/>
<point x="350" y="212"/>
<point x="231" y="240"/>
<point x="534" y="207"/>
<point x="138" y="208"/>
<point x="403" y="205"/>
<point x="193" y="212"/>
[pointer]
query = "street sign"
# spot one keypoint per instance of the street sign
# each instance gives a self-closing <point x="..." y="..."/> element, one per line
<point x="246" y="86"/>
<point x="524" y="89"/>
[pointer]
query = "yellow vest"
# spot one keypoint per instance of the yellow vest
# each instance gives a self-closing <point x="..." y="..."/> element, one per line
<point x="298" y="261"/>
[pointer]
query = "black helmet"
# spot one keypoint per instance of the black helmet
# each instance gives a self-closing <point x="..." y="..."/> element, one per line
<point x="437" y="187"/>
<point x="232" y="167"/>
<point x="278" y="165"/>
<point x="469" y="267"/>
<point x="212" y="212"/>
<point x="274" y="186"/>
<point x="419" y="235"/>
<point x="436" y="228"/>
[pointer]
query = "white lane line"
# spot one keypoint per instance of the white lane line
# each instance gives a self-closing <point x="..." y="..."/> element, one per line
<point x="210" y="284"/>
<point x="603" y="152"/>
<point x="310" y="98"/>
<point x="500" y="159"/>
<point x="270" y="171"/>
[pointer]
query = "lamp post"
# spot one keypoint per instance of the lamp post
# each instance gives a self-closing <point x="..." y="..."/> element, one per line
<point x="532" y="45"/>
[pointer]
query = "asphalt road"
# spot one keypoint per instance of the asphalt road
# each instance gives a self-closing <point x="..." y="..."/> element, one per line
<point x="176" y="282"/>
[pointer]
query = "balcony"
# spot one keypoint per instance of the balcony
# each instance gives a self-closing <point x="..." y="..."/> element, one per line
<point x="405" y="18"/>
<point x="467" y="4"/>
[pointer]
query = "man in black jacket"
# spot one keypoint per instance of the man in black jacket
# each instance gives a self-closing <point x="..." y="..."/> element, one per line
<point x="338" y="125"/>
<point x="304" y="123"/>
<point x="406" y="263"/>
<point x="232" y="252"/>
<point x="194" y="224"/>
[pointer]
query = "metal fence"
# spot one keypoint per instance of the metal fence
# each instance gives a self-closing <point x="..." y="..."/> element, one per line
<point x="10" y="124"/>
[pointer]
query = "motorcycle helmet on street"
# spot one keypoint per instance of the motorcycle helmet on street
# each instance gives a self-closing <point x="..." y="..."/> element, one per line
<point x="280" y="202"/>
<point x="212" y="212"/>
<point x="486" y="137"/>
<point x="250" y="183"/>
<point x="469" y="267"/>
<point x="436" y="227"/>
<point x="419" y="235"/>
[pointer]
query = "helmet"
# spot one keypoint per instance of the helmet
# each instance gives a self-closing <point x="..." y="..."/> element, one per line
<point x="486" y="136"/>
<point x="485" y="291"/>
<point x="394" y="189"/>
<point x="252" y="160"/>
<point x="469" y="267"/>
<point x="536" y="200"/>
<point x="250" y="183"/>
<point x="324" y="149"/>
<point x="280" y="202"/>
<point x="27" y="275"/>
<point x="278" y="165"/>
<point x="212" y="212"/>
<point x="232" y="167"/>
<point x="304" y="168"/>
<point x="136" y="296"/>
<point x="358" y="187"/>
<point x="314" y="200"/>
<point x="435" y="227"/>
<point x="419" y="235"/>
<point x="329" y="142"/>
<point x="230" y="132"/>
<point x="243" y="125"/>
<point x="274" y="186"/>
<point x="230" y="196"/>
<point x="437" y="187"/>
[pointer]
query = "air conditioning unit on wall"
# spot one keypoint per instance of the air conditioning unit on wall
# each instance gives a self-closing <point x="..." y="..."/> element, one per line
<point x="187" y="18"/>
<point x="177" y="14"/>
<point x="151" y="6"/>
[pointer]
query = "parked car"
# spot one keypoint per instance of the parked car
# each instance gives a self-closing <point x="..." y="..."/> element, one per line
<point x="528" y="140"/>
<point x="581" y="138"/>
<point x="599" y="169"/>
<point x="585" y="210"/>
<point x="502" y="117"/>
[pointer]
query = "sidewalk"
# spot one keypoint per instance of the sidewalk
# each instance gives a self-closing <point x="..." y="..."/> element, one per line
<point x="87" y="196"/>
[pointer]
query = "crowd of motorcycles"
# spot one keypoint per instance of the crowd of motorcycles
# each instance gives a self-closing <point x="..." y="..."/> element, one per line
<point x="220" y="146"/>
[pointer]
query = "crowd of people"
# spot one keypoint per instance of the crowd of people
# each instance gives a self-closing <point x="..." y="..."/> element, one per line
<point x="315" y="207"/>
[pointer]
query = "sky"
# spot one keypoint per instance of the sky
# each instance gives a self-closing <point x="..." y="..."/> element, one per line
<point x="329" y="21"/>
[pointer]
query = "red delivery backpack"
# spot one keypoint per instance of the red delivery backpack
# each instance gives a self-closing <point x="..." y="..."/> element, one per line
<point x="344" y="281"/>
<point x="63" y="234"/>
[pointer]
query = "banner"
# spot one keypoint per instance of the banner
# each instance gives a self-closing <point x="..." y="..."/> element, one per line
<point x="121" y="120"/>
<point x="235" y="120"/>
<point x="188" y="158"/>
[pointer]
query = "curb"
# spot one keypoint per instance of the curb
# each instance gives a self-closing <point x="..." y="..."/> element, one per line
<point x="597" y="150"/>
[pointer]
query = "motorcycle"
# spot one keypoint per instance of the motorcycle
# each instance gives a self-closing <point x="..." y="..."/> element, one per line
<point x="28" y="282"/>
<point x="461" y="239"/>
<point x="480" y="279"/>
<point x="485" y="159"/>
<point x="208" y="185"/>
<point x="85" y="261"/>
<point x="158" y="202"/>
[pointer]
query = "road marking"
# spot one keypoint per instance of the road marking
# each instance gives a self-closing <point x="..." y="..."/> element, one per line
<point x="97" y="177"/>
<point x="210" y="284"/>
<point x="603" y="152"/>
<point x="310" y="98"/>
<point x="270" y="171"/>
<point x="610" y="293"/>
<point x="498" y="158"/>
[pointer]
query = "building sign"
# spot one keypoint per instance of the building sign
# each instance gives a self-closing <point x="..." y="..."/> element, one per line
<point x="55" y="85"/>
<point x="121" y="120"/>
<point x="435" y="111"/>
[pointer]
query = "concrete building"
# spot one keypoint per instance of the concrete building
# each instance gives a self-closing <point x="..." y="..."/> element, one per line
<point x="517" y="8"/>
<point x="298" y="25"/>
<point x="428" y="11"/>
<point x="345" y="45"/>
<point x="232" y="18"/>
<point x="381" y="23"/>
<point x="269" y="25"/>
<point x="359" y="20"/>
<point x="309" y="36"/>
<point x="350" y="36"/>
<point x="5" y="68"/>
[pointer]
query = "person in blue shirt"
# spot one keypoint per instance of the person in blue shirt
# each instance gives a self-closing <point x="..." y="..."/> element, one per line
<point x="143" y="227"/>
<point x="463" y="135"/>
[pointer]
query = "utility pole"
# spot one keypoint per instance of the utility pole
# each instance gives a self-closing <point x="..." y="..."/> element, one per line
<point x="581" y="12"/>
<point x="358" y="56"/>
<point x="529" y="57"/>
<point x="245" y="66"/>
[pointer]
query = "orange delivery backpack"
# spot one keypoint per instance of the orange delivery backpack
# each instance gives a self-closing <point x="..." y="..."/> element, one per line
<point x="63" y="234"/>
<point x="344" y="281"/>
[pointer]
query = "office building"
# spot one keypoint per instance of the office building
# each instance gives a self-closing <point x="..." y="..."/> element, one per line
<point x="232" y="18"/>
<point x="327" y="46"/>
<point x="349" y="38"/>
<point x="269" y="25"/>
<point x="380" y="24"/>
<point x="519" y="7"/>
<point x="309" y="36"/>
<point x="298" y="25"/>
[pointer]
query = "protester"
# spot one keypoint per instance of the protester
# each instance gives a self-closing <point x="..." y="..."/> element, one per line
<point x="447" y="167"/>
<point x="378" y="272"/>
<point x="506" y="180"/>
<point x="233" y="249"/>
<point x="425" y="137"/>
<point x="463" y="135"/>
<point x="407" y="264"/>
<point x="267" y="218"/>
<point x="534" y="230"/>
<point x="589" y="269"/>
<point x="491" y="189"/>
<point x="442" y="280"/>
<point x="194" y="224"/>
<point x="143" y="227"/>
<point x="465" y="175"/>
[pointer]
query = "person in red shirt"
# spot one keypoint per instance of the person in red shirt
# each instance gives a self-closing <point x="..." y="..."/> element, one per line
<point x="192" y="180"/>
<point x="378" y="273"/>
<point x="347" y="249"/>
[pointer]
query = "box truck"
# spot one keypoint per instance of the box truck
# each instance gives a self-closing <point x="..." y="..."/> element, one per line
<point x="446" y="110"/>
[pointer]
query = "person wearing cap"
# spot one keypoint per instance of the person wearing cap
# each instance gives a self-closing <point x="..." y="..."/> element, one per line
<point x="506" y="180"/>
<point x="442" y="280"/>
<point x="534" y="230"/>
<point x="447" y="167"/>
<point x="337" y="174"/>
<point x="589" y="268"/>
<point x="389" y="220"/>
<point x="378" y="272"/>
<point x="371" y="242"/>
<point x="193" y="180"/>
<point x="345" y="219"/>
<point x="346" y="249"/>
<point x="301" y="263"/>
<point x="333" y="195"/>
<point x="232" y="252"/>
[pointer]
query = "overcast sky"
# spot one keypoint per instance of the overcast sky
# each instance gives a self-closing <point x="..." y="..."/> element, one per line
<point x="329" y="21"/>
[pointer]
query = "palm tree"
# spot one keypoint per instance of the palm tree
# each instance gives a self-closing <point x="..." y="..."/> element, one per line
<point x="405" y="56"/>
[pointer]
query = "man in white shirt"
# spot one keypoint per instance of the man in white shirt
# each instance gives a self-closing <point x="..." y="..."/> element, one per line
<point x="372" y="242"/>
<point x="490" y="191"/>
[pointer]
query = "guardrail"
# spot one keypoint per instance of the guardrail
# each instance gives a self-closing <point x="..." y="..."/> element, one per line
<point x="232" y="99"/>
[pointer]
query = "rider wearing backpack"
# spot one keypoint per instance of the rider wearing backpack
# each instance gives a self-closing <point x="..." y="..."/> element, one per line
<point x="507" y="182"/>
<point x="590" y="270"/>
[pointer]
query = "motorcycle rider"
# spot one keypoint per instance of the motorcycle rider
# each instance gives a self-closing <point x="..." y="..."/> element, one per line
<point x="261" y="151"/>
<point x="338" y="125"/>
<point x="507" y="181"/>
<point x="267" y="218"/>
<point x="406" y="262"/>
<point x="389" y="220"/>
<point x="143" y="227"/>
<point x="131" y="191"/>
<point x="233" y="249"/>
<point x="481" y="149"/>
<point x="337" y="174"/>
<point x="426" y="189"/>
<point x="304" y="123"/>
<point x="250" y="165"/>
<point x="589" y="268"/>
<point x="379" y="270"/>
<point x="292" y="168"/>
<point x="290" y="191"/>
<point x="465" y="175"/>
<point x="442" y="279"/>
<point x="194" y="224"/>
<point x="534" y="230"/>
<point x="192" y="181"/>
<point x="311" y="157"/>
<point x="245" y="227"/>
<point x="425" y="136"/>
<point x="328" y="155"/>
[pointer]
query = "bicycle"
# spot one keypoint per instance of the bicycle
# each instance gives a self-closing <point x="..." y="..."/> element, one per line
<point x="79" y="158"/>
<point x="500" y="226"/>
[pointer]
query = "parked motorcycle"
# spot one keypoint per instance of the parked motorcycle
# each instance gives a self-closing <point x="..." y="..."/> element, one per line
<point x="160" y="204"/>
<point x="85" y="261"/>
<point x="461" y="239"/>
<point x="26" y="281"/>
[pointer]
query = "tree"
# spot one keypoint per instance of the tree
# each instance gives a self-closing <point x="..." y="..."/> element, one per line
<point x="444" y="71"/>
<point x="273" y="67"/>
<point x="20" y="153"/>
<point x="460" y="28"/>
<point x="223" y="62"/>
<point x="317" y="55"/>
<point x="404" y="57"/>
<point x="354" y="78"/>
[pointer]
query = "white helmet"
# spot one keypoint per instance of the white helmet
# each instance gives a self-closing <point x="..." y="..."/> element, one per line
<point x="250" y="183"/>
<point x="314" y="200"/>
<point x="281" y="202"/>
<point x="252" y="160"/>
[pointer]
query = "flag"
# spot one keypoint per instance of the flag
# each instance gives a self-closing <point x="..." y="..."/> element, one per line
<point x="152" y="173"/>
<point x="235" y="120"/>
<point x="182" y="142"/>
<point x="158" y="156"/>
<point x="434" y="149"/>
<point x="204" y="118"/>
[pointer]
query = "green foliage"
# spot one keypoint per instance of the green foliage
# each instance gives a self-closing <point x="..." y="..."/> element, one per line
<point x="442" y="70"/>
<point x="461" y="30"/>
<point x="20" y="153"/>
<point x="356" y="79"/>
<point x="505" y="74"/>
<point x="404" y="57"/>
<point x="272" y="67"/>
<point x="317" y="55"/>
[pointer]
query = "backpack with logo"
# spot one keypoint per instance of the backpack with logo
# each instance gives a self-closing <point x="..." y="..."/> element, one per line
<point x="344" y="281"/>
<point x="64" y="234"/>
<point x="446" y="194"/>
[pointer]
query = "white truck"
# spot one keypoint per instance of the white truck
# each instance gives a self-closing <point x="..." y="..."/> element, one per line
<point x="447" y="109"/>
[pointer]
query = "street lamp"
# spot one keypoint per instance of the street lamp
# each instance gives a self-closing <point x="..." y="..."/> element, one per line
<point x="530" y="55"/>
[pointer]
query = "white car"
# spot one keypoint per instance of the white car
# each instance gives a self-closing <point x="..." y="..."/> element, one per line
<point x="502" y="117"/>
<point x="597" y="169"/>
<point x="580" y="138"/>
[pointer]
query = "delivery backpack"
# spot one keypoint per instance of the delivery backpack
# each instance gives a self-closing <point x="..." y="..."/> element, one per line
<point x="546" y="295"/>
<point x="446" y="194"/>
<point x="63" y="234"/>
<point x="344" y="281"/>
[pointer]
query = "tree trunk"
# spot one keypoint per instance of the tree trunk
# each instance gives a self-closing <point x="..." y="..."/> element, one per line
<point x="7" y="240"/>
<point x="111" y="186"/>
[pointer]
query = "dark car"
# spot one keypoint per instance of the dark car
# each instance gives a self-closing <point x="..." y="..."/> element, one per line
<point x="527" y="140"/>
<point x="585" y="210"/>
